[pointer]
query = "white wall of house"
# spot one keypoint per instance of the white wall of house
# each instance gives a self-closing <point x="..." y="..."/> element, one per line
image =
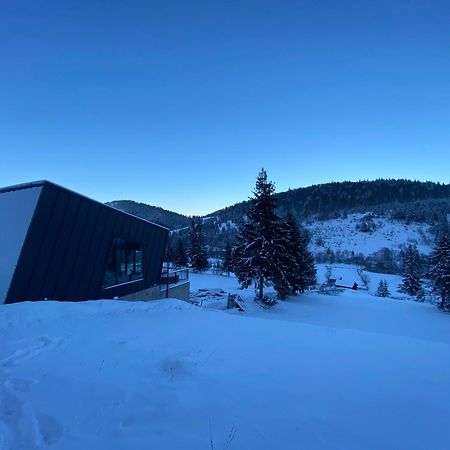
<point x="16" y="212"/>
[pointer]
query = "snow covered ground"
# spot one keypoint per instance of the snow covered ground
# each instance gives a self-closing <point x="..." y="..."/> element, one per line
<point x="314" y="372"/>
<point x="341" y="234"/>
<point x="347" y="272"/>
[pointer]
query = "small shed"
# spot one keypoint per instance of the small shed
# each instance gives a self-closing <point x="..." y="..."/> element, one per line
<point x="346" y="284"/>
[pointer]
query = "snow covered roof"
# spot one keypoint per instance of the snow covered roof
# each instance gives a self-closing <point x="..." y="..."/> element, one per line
<point x="345" y="282"/>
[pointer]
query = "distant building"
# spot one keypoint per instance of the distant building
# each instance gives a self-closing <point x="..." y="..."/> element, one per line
<point x="56" y="244"/>
<point x="347" y="284"/>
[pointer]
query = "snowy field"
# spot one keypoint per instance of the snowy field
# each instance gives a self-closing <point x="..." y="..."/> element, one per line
<point x="315" y="372"/>
<point x="349" y="273"/>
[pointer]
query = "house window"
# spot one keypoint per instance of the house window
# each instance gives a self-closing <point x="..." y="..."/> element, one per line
<point x="124" y="263"/>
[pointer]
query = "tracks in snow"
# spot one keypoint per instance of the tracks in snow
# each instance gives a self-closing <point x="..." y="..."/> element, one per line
<point x="21" y="426"/>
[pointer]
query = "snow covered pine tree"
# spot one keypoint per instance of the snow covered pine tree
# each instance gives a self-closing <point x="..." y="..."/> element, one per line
<point x="440" y="272"/>
<point x="228" y="260"/>
<point x="180" y="257"/>
<point x="264" y="253"/>
<point x="261" y="252"/>
<point x="411" y="284"/>
<point x="198" y="256"/>
<point x="383" y="289"/>
<point x="303" y="273"/>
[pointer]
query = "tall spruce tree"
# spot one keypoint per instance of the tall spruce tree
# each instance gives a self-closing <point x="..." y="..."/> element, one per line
<point x="302" y="273"/>
<point x="294" y="249"/>
<point x="228" y="259"/>
<point x="309" y="270"/>
<point x="180" y="258"/>
<point x="411" y="284"/>
<point x="439" y="271"/>
<point x="261" y="252"/>
<point x="284" y="264"/>
<point x="197" y="253"/>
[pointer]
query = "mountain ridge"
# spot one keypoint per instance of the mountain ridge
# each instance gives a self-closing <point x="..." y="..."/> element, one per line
<point x="368" y="223"/>
<point x="324" y="200"/>
<point x="155" y="214"/>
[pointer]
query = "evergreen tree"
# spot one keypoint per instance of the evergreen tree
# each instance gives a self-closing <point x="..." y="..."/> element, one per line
<point x="261" y="252"/>
<point x="440" y="272"/>
<point x="380" y="289"/>
<point x="411" y="284"/>
<point x="228" y="260"/>
<point x="217" y="268"/>
<point x="180" y="258"/>
<point x="284" y="264"/>
<point x="302" y="273"/>
<point x="420" y="296"/>
<point x="309" y="271"/>
<point x="383" y="289"/>
<point x="295" y="250"/>
<point x="443" y="228"/>
<point x="168" y="252"/>
<point x="198" y="256"/>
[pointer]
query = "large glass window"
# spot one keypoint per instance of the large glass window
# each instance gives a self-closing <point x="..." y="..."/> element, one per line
<point x="124" y="263"/>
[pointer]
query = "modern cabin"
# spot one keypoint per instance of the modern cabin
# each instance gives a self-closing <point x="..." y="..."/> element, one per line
<point x="56" y="244"/>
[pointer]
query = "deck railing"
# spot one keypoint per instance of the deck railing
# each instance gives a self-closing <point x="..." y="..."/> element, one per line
<point x="173" y="276"/>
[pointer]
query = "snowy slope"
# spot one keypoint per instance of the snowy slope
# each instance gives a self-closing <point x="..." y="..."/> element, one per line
<point x="341" y="234"/>
<point x="315" y="372"/>
<point x="228" y="225"/>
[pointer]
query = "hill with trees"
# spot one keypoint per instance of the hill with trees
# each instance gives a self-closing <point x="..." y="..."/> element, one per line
<point x="155" y="214"/>
<point x="406" y="199"/>
<point x="364" y="222"/>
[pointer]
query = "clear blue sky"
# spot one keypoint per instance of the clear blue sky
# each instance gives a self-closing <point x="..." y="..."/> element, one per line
<point x="179" y="104"/>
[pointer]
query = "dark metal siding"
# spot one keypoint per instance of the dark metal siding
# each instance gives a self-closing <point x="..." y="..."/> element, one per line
<point x="91" y="259"/>
<point x="71" y="252"/>
<point x="67" y="246"/>
<point x="74" y="284"/>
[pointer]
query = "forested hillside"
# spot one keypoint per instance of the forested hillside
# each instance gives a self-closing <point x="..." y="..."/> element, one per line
<point x="364" y="221"/>
<point x="155" y="214"/>
<point x="405" y="199"/>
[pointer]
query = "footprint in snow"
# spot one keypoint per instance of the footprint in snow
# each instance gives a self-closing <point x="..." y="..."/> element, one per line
<point x="40" y="345"/>
<point x="50" y="429"/>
